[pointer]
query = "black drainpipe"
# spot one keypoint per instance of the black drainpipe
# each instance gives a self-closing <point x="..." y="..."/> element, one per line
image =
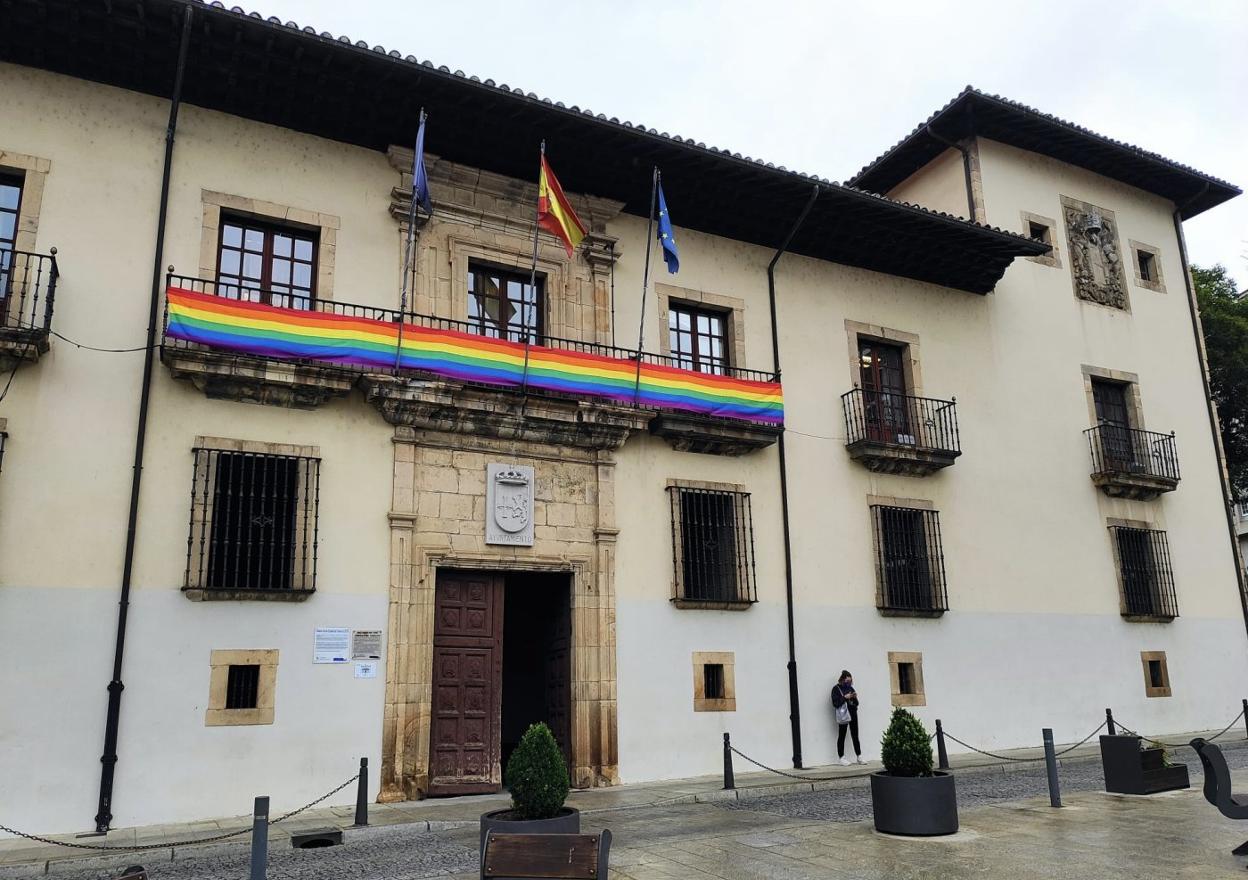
<point x="108" y="761"/>
<point x="1219" y="452"/>
<point x="966" y="170"/>
<point x="795" y="707"/>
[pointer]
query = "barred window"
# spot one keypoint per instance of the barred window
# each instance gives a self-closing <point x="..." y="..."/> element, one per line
<point x="253" y="522"/>
<point x="1144" y="573"/>
<point x="242" y="686"/>
<point x="712" y="547"/>
<point x="910" y="565"/>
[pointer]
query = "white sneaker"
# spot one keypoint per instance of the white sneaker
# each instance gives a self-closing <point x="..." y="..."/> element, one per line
<point x="844" y="762"/>
<point x="858" y="759"/>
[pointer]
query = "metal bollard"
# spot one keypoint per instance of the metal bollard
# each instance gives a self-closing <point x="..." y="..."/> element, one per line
<point x="1246" y="718"/>
<point x="1050" y="765"/>
<point x="942" y="755"/>
<point x="730" y="781"/>
<point x="259" y="838"/>
<point x="361" y="796"/>
<point x="1109" y="723"/>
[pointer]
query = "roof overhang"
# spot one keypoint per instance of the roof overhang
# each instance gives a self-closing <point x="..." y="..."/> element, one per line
<point x="312" y="82"/>
<point x="974" y="113"/>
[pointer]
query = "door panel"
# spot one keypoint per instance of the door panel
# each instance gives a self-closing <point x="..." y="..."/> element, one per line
<point x="884" y="392"/>
<point x="1113" y="416"/>
<point x="467" y="684"/>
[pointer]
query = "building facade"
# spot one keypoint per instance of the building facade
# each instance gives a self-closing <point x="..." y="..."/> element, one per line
<point x="991" y="375"/>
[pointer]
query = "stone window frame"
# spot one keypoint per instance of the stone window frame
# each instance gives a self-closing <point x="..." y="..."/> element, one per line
<point x="200" y="519"/>
<point x="1053" y="258"/>
<point x="881" y="587"/>
<point x="327" y="226"/>
<point x="1135" y="404"/>
<point x="220" y="661"/>
<point x="465" y="251"/>
<point x="750" y="589"/>
<point x="34" y="171"/>
<point x="701" y="703"/>
<point x="1114" y="522"/>
<point x="857" y="331"/>
<point x="1158" y="284"/>
<point x="1149" y="689"/>
<point x="897" y="698"/>
<point x="734" y="313"/>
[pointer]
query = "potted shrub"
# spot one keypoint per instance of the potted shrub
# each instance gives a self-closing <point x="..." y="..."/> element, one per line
<point x="537" y="777"/>
<point x="908" y="796"/>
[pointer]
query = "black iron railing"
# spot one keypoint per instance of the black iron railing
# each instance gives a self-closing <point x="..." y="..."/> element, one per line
<point x="901" y="420"/>
<point x="1117" y="449"/>
<point x="712" y="546"/>
<point x="909" y="559"/>
<point x="27" y="290"/>
<point x="254" y="522"/>
<point x="200" y="285"/>
<point x="1145" y="573"/>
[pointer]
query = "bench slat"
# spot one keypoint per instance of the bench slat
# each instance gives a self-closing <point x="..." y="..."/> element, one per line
<point x="542" y="856"/>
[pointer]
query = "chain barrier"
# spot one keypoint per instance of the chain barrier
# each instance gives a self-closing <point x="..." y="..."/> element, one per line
<point x="1158" y="742"/>
<point x="151" y="846"/>
<point x="782" y="772"/>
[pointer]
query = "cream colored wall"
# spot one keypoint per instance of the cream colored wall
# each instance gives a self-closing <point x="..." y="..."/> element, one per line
<point x="939" y="185"/>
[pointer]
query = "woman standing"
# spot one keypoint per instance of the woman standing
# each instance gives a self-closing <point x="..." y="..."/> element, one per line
<point x="845" y="702"/>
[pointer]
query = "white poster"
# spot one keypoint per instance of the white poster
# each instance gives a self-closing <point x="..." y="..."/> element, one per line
<point x="366" y="670"/>
<point x="331" y="644"/>
<point x="366" y="644"/>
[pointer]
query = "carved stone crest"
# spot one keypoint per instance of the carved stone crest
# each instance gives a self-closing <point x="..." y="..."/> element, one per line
<point x="1095" y="255"/>
<point x="509" y="505"/>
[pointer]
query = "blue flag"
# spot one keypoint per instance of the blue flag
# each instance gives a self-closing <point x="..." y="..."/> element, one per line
<point x="420" y="180"/>
<point x="667" y="238"/>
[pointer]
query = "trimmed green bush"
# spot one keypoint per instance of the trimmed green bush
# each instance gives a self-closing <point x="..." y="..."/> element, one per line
<point x="537" y="775"/>
<point x="906" y="749"/>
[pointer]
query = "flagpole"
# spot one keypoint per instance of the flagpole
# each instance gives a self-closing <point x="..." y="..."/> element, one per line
<point x="645" y="283"/>
<point x="409" y="253"/>
<point x="537" y="216"/>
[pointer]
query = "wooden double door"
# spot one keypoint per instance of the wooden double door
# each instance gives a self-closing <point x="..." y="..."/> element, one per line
<point x="469" y="678"/>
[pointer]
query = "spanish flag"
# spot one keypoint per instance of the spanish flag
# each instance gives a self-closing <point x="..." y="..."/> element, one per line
<point x="554" y="212"/>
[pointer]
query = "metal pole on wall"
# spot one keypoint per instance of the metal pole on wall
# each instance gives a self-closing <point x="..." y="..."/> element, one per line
<point x="537" y="218"/>
<point x="409" y="252"/>
<point x="1050" y="766"/>
<point x="645" y="284"/>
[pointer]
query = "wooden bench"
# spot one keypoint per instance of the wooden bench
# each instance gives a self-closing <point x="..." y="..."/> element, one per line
<point x="545" y="856"/>
<point x="1218" y="786"/>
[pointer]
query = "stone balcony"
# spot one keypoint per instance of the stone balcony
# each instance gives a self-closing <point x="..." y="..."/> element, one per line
<point x="27" y="295"/>
<point x="900" y="434"/>
<point x="1132" y="464"/>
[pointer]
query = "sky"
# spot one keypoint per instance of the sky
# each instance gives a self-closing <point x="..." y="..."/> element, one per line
<point x="825" y="87"/>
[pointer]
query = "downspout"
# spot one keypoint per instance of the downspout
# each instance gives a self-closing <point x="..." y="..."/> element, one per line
<point x="1202" y="358"/>
<point x="966" y="170"/>
<point x="108" y="761"/>
<point x="795" y="707"/>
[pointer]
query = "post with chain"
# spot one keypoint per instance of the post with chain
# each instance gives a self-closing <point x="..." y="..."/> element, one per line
<point x="730" y="781"/>
<point x="1245" y="719"/>
<point x="1109" y="723"/>
<point x="361" y="796"/>
<point x="1050" y="765"/>
<point x="942" y="754"/>
<point x="259" y="838"/>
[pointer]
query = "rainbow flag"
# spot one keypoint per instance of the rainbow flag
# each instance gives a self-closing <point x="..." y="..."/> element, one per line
<point x="295" y="334"/>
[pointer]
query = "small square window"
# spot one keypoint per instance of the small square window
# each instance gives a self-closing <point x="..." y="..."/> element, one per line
<point x="1148" y="266"/>
<point x="713" y="681"/>
<point x="1155" y="678"/>
<point x="1039" y="232"/>
<point x="242" y="687"/>
<point x="905" y="674"/>
<point x="1156" y="674"/>
<point x="905" y="678"/>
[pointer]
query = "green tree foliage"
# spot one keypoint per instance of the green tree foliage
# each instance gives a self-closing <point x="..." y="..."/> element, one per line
<point x="1224" y="316"/>
<point x="906" y="749"/>
<point x="537" y="775"/>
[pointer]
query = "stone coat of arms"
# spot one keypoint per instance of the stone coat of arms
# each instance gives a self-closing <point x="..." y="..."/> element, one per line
<point x="509" y="505"/>
<point x="1095" y="256"/>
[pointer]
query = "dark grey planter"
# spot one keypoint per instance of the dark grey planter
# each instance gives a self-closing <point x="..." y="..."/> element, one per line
<point x="567" y="822"/>
<point x="1132" y="770"/>
<point x="917" y="806"/>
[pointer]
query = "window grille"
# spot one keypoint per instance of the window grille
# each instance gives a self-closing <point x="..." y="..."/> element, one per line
<point x="910" y="564"/>
<point x="253" y="522"/>
<point x="1145" y="575"/>
<point x="713" y="546"/>
<point x="242" y="687"/>
<point x="713" y="681"/>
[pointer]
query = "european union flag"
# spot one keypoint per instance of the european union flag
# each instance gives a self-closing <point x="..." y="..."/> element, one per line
<point x="667" y="238"/>
<point x="420" y="180"/>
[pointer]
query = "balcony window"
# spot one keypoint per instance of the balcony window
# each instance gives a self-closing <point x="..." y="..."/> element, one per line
<point x="267" y="263"/>
<point x="253" y="522"/>
<point x="1145" y="577"/>
<point x="503" y="305"/>
<point x="10" y="208"/>
<point x="910" y="564"/>
<point x="1127" y="461"/>
<point x="697" y="338"/>
<point x="712" y="547"/>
